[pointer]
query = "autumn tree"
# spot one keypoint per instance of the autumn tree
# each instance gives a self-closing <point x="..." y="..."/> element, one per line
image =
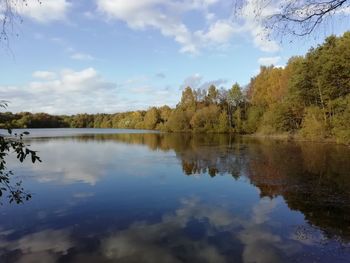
<point x="188" y="101"/>
<point x="206" y="119"/>
<point x="234" y="100"/>
<point x="212" y="95"/>
<point x="178" y="121"/>
<point x="151" y="118"/>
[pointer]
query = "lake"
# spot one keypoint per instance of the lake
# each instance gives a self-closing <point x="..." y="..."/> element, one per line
<point x="136" y="196"/>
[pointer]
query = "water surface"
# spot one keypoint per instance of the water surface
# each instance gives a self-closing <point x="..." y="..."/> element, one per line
<point x="135" y="196"/>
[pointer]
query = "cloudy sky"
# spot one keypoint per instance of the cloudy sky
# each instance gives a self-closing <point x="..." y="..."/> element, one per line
<point x="116" y="55"/>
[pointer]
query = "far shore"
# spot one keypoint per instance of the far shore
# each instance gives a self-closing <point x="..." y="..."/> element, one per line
<point x="293" y="137"/>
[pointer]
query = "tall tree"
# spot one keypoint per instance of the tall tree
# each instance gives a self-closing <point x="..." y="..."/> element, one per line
<point x="212" y="96"/>
<point x="234" y="99"/>
<point x="188" y="100"/>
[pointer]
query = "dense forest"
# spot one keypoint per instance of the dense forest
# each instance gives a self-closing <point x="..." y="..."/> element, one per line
<point x="308" y="98"/>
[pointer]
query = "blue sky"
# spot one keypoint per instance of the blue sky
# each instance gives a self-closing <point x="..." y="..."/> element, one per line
<point x="117" y="55"/>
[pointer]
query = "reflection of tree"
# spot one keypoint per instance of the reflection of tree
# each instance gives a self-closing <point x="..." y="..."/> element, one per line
<point x="312" y="178"/>
<point x="202" y="153"/>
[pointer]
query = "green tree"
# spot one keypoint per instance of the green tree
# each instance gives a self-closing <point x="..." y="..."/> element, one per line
<point x="212" y="96"/>
<point x="234" y="100"/>
<point x="206" y="119"/>
<point x="223" y="124"/>
<point x="13" y="143"/>
<point x="313" y="126"/>
<point x="188" y="101"/>
<point x="151" y="118"/>
<point x="178" y="121"/>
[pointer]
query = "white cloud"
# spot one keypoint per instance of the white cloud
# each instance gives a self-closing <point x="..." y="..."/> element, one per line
<point x="217" y="31"/>
<point x="167" y="17"/>
<point x="84" y="91"/>
<point x="195" y="81"/>
<point x="67" y="91"/>
<point x="45" y="11"/>
<point x="253" y="13"/>
<point x="48" y="75"/>
<point x="158" y="14"/>
<point x="217" y="83"/>
<point x="267" y="61"/>
<point x="344" y="11"/>
<point x="192" y="81"/>
<point x="82" y="56"/>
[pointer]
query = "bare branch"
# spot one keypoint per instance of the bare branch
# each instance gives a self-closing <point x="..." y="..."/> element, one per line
<point x="295" y="17"/>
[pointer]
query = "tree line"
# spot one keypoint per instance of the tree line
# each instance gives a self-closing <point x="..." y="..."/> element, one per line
<point x="309" y="97"/>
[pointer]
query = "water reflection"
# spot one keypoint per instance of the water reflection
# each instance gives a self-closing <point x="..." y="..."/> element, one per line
<point x="172" y="238"/>
<point x="44" y="246"/>
<point x="182" y="198"/>
<point x="193" y="234"/>
<point x="312" y="178"/>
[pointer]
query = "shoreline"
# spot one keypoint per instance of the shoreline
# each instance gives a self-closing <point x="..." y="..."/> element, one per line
<point x="293" y="138"/>
<point x="281" y="136"/>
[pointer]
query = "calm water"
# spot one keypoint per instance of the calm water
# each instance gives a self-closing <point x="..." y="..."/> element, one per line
<point x="117" y="196"/>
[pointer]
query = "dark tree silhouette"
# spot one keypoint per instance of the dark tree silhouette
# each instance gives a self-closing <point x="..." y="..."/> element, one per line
<point x="302" y="17"/>
<point x="13" y="143"/>
<point x="295" y="17"/>
<point x="10" y="17"/>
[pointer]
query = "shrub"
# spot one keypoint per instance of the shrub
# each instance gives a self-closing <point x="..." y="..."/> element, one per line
<point x="252" y="123"/>
<point x="314" y="126"/>
<point x="341" y="120"/>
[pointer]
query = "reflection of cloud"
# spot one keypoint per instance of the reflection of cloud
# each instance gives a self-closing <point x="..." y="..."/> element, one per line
<point x="262" y="211"/>
<point x="83" y="195"/>
<point x="53" y="240"/>
<point x="78" y="160"/>
<point x="69" y="162"/>
<point x="143" y="242"/>
<point x="44" y="246"/>
<point x="262" y="246"/>
<point x="40" y="257"/>
<point x="133" y="246"/>
<point x="218" y="217"/>
<point x="307" y="235"/>
<point x="159" y="241"/>
<point x="189" y="233"/>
